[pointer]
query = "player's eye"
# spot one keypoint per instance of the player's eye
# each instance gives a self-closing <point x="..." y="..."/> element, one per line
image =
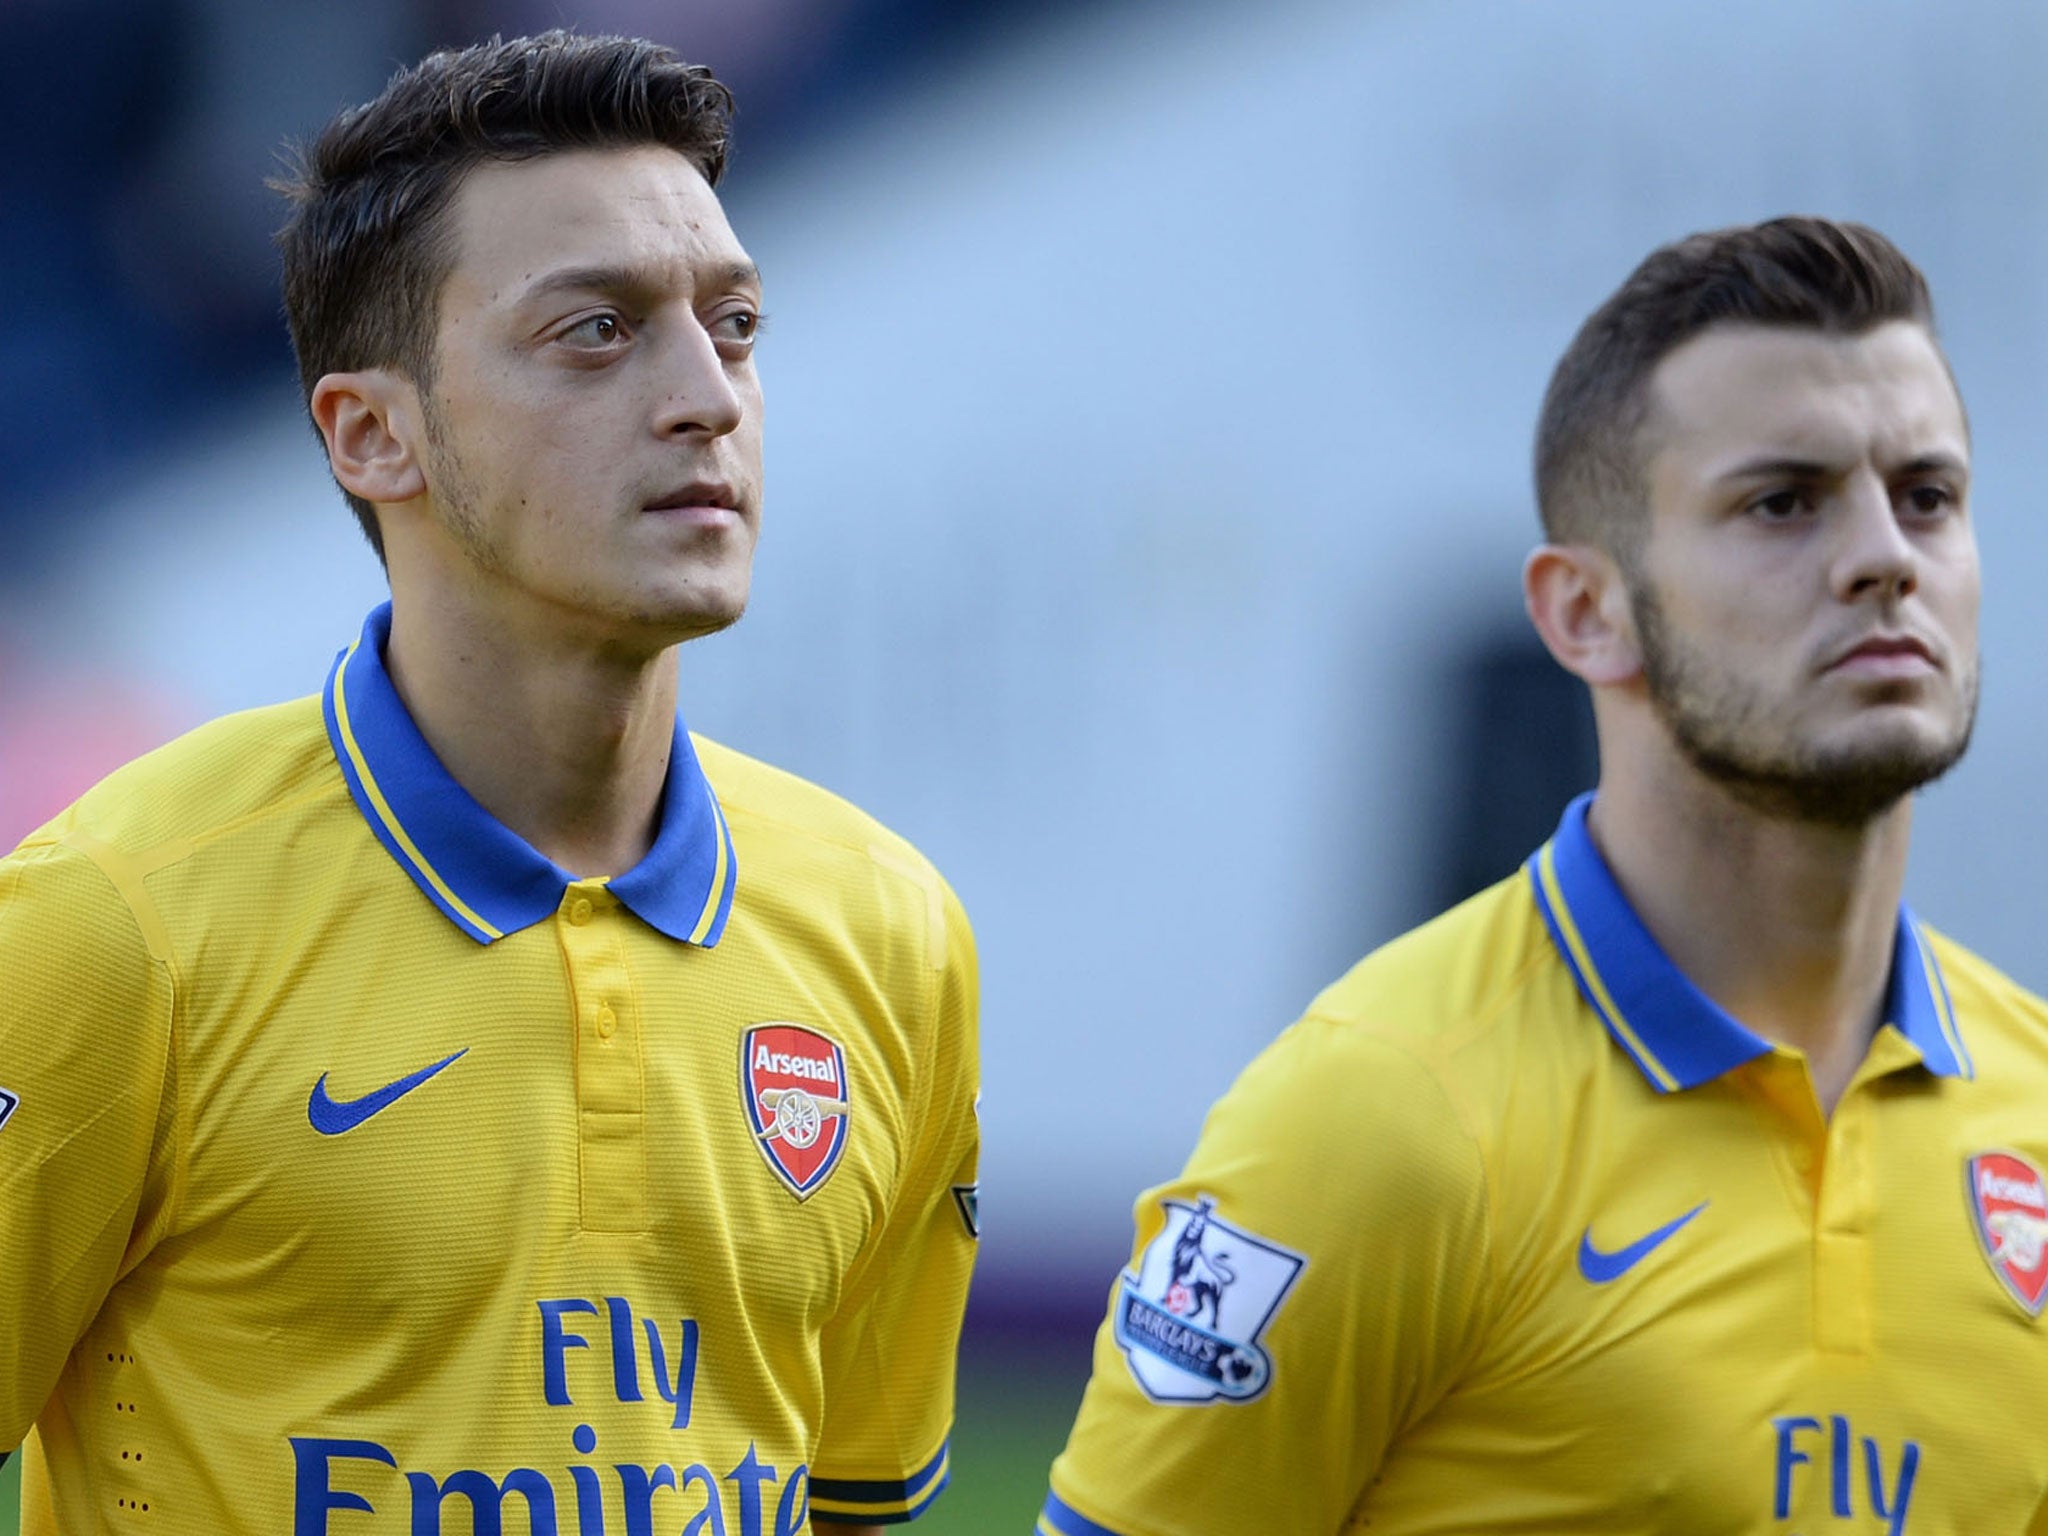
<point x="1782" y="506"/>
<point x="595" y="331"/>
<point x="1929" y="500"/>
<point x="739" y="329"/>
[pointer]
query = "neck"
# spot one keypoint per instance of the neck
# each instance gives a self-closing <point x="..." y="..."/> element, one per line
<point x="1787" y="925"/>
<point x="562" y="738"/>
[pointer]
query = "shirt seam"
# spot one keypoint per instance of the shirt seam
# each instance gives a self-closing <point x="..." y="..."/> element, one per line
<point x="126" y="884"/>
<point x="173" y="851"/>
<point x="872" y="1264"/>
<point x="1489" y="1189"/>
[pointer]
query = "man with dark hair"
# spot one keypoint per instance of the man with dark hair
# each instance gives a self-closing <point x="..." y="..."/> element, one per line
<point x="1684" y="1181"/>
<point x="466" y="1088"/>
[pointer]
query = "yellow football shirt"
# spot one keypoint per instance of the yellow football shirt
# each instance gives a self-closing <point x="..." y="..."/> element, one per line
<point x="362" y="1171"/>
<point x="1517" y="1231"/>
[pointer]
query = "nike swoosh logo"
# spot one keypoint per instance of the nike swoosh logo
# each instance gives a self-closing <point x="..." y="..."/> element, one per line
<point x="331" y="1117"/>
<point x="1601" y="1267"/>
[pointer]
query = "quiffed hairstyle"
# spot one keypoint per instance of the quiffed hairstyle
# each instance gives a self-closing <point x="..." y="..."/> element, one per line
<point x="366" y="245"/>
<point x="1816" y="274"/>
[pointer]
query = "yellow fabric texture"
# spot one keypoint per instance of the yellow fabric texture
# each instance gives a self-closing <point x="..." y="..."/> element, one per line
<point x="1822" y="1347"/>
<point x="553" y="1286"/>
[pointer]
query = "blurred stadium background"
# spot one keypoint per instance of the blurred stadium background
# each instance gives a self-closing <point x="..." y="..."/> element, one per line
<point x="1150" y="389"/>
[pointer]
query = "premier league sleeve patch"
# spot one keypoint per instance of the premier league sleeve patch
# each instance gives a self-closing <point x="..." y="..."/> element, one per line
<point x="1190" y="1318"/>
<point x="793" y="1083"/>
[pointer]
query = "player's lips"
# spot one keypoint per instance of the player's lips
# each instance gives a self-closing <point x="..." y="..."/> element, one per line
<point x="1886" y="656"/>
<point x="704" y="498"/>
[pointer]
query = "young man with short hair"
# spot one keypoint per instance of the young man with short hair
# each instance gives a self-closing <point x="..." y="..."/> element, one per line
<point x="463" y="1099"/>
<point x="1684" y="1181"/>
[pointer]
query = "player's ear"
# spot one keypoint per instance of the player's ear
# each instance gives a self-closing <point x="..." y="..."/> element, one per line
<point x="371" y="422"/>
<point x="1578" y="600"/>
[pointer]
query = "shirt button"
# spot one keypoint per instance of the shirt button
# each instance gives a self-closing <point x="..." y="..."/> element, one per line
<point x="1802" y="1159"/>
<point x="607" y="1022"/>
<point x="579" y="911"/>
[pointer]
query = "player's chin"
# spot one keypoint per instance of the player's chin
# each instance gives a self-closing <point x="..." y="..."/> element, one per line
<point x="1912" y="743"/>
<point x="694" y="612"/>
<point x="1927" y="717"/>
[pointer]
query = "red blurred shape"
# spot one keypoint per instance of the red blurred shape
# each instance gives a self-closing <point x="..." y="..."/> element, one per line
<point x="63" y="730"/>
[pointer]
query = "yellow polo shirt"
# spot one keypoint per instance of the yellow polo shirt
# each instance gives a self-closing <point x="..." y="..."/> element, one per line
<point x="362" y="1171"/>
<point x="1517" y="1231"/>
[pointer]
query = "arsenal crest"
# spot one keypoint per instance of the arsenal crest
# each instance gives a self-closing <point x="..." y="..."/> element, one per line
<point x="2011" y="1206"/>
<point x="793" y="1082"/>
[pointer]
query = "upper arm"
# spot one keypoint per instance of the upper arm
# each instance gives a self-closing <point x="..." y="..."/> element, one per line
<point x="84" y="1040"/>
<point x="888" y="1355"/>
<point x="1313" y="1280"/>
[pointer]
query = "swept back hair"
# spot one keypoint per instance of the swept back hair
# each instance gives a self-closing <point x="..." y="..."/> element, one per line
<point x="367" y="244"/>
<point x="1841" y="279"/>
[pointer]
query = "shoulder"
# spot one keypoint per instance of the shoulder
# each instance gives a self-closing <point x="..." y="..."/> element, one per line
<point x="1470" y="966"/>
<point x="1419" y="1079"/>
<point x="1968" y="975"/>
<point x="223" y="775"/>
<point x="1988" y="1005"/>
<point x="90" y="883"/>
<point x="801" y="845"/>
<point x="1329" y="1105"/>
<point x="1397" y="1051"/>
<point x="1352" y="1148"/>
<point x="1464" y="998"/>
<point x="772" y="802"/>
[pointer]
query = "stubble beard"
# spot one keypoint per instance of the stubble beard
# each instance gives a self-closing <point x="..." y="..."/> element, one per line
<point x="455" y="493"/>
<point x="459" y="504"/>
<point x="1723" y="729"/>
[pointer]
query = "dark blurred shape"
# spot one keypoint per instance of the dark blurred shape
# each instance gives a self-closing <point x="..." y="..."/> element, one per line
<point x="137" y="135"/>
<point x="193" y="231"/>
<point x="135" y="226"/>
<point x="87" y="88"/>
<point x="1522" y="745"/>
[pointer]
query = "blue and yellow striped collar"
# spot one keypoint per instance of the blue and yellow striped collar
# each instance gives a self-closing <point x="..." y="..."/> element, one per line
<point x="485" y="877"/>
<point x="1676" y="1034"/>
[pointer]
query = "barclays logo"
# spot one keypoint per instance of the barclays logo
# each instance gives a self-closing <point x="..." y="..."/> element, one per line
<point x="1190" y="1318"/>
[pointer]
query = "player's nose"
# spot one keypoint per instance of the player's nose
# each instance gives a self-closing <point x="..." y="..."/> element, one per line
<point x="1873" y="552"/>
<point x="699" y="398"/>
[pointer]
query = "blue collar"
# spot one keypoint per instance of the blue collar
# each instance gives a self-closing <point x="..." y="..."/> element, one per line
<point x="484" y="876"/>
<point x="1676" y="1034"/>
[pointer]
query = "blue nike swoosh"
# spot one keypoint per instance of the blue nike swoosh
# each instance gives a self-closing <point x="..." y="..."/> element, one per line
<point x="1601" y="1267"/>
<point x="331" y="1118"/>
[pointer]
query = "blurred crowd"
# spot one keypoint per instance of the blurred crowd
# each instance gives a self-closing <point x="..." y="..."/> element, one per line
<point x="134" y="221"/>
<point x="135" y="243"/>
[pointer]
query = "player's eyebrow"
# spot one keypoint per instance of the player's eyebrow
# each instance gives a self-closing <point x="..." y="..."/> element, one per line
<point x="1936" y="463"/>
<point x="1768" y="467"/>
<point x="618" y="278"/>
<point x="1777" y="469"/>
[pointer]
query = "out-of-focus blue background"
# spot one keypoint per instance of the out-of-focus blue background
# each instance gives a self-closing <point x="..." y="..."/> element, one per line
<point x="1150" y="393"/>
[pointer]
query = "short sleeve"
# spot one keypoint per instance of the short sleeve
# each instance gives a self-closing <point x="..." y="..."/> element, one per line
<point x="1304" y="1291"/>
<point x="84" y="1043"/>
<point x="889" y="1356"/>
